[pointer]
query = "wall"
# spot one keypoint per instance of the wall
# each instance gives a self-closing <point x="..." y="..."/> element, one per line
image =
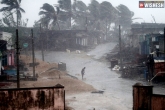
<point x="47" y="98"/>
<point x="144" y="99"/>
<point x="158" y="102"/>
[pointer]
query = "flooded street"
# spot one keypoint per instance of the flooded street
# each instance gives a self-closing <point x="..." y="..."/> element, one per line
<point x="117" y="92"/>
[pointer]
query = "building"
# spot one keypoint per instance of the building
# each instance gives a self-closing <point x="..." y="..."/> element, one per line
<point x="7" y="37"/>
<point x="71" y="39"/>
<point x="151" y="43"/>
<point x="138" y="30"/>
<point x="6" y="50"/>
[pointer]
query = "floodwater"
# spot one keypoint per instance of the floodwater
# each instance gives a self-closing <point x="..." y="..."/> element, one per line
<point x="117" y="92"/>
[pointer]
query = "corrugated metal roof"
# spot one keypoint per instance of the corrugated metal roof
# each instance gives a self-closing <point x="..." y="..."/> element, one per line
<point x="156" y="61"/>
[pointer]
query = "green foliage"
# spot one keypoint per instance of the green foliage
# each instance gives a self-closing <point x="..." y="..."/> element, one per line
<point x="79" y="6"/>
<point x="79" y="14"/>
<point x="9" y="19"/>
<point x="12" y="5"/>
<point x="125" y="16"/>
<point x="106" y="9"/>
<point x="98" y="16"/>
<point x="48" y="16"/>
<point x="65" y="13"/>
<point x="94" y="9"/>
<point x="48" y="9"/>
<point x="65" y="4"/>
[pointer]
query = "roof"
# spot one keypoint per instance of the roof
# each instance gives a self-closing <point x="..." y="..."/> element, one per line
<point x="155" y="35"/>
<point x="65" y="31"/>
<point x="148" y="25"/>
<point x="158" y="61"/>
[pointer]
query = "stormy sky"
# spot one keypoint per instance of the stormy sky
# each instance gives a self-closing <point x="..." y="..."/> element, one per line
<point x="32" y="8"/>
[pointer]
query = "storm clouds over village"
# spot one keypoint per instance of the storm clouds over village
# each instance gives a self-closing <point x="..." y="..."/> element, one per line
<point x="82" y="55"/>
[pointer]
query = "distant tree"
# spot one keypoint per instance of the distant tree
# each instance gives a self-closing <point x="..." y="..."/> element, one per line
<point x="101" y="16"/>
<point x="36" y="24"/>
<point x="79" y="14"/>
<point x="9" y="20"/>
<point x="49" y="16"/>
<point x="106" y="9"/>
<point x="107" y="15"/>
<point x="94" y="8"/>
<point x="125" y="16"/>
<point x="94" y="19"/>
<point x="66" y="11"/>
<point x="13" y="5"/>
<point x="65" y="5"/>
<point x="79" y="6"/>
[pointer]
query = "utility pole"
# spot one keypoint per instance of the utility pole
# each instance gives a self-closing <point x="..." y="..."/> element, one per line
<point x="121" y="62"/>
<point x="70" y="14"/>
<point x="17" y="18"/>
<point x="33" y="55"/>
<point x="86" y="25"/>
<point x="106" y="30"/>
<point x="17" y="56"/>
<point x="164" y="46"/>
<point x="41" y="44"/>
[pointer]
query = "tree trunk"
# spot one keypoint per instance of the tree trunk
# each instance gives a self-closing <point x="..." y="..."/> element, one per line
<point x="58" y="25"/>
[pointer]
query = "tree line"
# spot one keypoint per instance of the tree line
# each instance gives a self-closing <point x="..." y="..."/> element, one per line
<point x="67" y="15"/>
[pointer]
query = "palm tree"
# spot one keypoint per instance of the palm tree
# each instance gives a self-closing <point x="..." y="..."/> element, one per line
<point x="79" y="14"/>
<point x="9" y="19"/>
<point x="66" y="14"/>
<point x="94" y="18"/>
<point x="13" y="5"/>
<point x="49" y="15"/>
<point x="125" y="16"/>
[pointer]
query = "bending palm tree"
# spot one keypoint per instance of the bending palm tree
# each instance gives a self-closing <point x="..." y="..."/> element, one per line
<point x="13" y="5"/>
<point x="49" y="15"/>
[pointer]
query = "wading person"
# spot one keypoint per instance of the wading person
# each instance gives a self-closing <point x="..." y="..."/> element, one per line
<point x="83" y="72"/>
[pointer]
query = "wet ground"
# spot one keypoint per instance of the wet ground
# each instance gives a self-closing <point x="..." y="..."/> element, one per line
<point x="116" y="92"/>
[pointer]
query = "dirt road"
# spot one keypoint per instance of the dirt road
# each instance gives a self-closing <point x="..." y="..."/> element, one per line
<point x="113" y="92"/>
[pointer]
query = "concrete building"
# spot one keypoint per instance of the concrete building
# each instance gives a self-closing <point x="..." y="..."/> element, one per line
<point x="138" y="31"/>
<point x="6" y="49"/>
<point x="6" y="37"/>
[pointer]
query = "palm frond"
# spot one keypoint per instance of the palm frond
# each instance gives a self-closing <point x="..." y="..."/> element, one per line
<point x="6" y="21"/>
<point x="4" y="9"/>
<point x="19" y="1"/>
<point x="12" y="7"/>
<point x="22" y="10"/>
<point x="136" y="18"/>
<point x="49" y="15"/>
<point x="7" y="2"/>
<point x="47" y="7"/>
<point x="16" y="3"/>
<point x="42" y="13"/>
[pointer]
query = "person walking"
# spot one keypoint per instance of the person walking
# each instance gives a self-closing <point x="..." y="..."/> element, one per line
<point x="83" y="72"/>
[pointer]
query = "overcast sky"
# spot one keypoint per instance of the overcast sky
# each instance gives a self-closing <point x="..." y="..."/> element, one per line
<point x="32" y="8"/>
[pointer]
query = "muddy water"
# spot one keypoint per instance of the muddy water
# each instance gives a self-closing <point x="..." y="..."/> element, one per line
<point x="117" y="92"/>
